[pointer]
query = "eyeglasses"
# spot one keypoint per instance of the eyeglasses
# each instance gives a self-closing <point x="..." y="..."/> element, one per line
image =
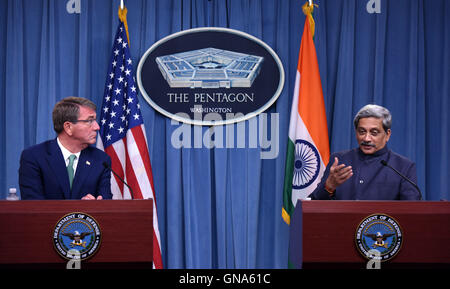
<point x="373" y="132"/>
<point x="89" y="121"/>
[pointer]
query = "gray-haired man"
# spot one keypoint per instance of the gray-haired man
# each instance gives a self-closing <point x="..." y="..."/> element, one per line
<point x="358" y="174"/>
<point x="67" y="167"/>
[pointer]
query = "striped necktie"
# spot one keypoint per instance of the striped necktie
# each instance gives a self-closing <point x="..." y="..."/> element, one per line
<point x="70" y="169"/>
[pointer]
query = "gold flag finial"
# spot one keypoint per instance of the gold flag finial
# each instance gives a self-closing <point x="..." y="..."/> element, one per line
<point x="123" y="18"/>
<point x="308" y="9"/>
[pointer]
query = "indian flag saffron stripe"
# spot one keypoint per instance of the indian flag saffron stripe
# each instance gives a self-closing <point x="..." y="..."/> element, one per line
<point x="308" y="145"/>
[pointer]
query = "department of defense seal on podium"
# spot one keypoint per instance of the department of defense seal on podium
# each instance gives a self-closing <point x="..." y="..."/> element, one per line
<point x="379" y="237"/>
<point x="77" y="236"/>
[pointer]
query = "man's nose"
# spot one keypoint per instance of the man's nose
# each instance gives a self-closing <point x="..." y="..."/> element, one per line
<point x="95" y="125"/>
<point x="367" y="137"/>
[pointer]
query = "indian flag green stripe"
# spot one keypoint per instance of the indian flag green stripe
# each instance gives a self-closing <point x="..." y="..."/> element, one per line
<point x="288" y="207"/>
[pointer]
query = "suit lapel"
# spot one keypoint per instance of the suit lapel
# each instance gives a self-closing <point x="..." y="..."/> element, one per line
<point x="58" y="166"/>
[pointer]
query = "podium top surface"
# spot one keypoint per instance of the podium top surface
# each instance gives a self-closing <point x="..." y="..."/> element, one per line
<point x="337" y="206"/>
<point x="60" y="206"/>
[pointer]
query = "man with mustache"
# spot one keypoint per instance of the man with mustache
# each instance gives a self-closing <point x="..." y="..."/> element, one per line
<point x="67" y="167"/>
<point x="358" y="174"/>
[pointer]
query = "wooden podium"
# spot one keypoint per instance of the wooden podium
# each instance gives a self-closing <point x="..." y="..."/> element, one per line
<point x="323" y="233"/>
<point x="26" y="230"/>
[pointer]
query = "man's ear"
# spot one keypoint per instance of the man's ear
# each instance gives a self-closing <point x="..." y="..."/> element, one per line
<point x="68" y="126"/>
<point x="388" y="134"/>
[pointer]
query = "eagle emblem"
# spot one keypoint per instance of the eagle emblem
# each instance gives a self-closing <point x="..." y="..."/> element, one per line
<point x="77" y="238"/>
<point x="379" y="239"/>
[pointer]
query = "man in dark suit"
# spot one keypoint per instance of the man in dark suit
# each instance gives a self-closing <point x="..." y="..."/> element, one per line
<point x="358" y="174"/>
<point x="67" y="167"/>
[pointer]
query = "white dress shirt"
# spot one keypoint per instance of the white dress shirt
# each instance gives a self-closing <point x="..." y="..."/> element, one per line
<point x="66" y="154"/>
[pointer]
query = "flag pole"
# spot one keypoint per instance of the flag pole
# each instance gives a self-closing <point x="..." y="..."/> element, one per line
<point x="308" y="124"/>
<point x="128" y="147"/>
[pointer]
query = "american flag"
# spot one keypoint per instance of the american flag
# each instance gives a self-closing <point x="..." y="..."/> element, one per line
<point x="122" y="134"/>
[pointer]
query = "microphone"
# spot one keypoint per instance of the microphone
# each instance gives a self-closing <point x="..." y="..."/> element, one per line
<point x="106" y="165"/>
<point x="384" y="163"/>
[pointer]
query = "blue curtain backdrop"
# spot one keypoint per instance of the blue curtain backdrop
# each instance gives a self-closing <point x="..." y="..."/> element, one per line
<point x="221" y="208"/>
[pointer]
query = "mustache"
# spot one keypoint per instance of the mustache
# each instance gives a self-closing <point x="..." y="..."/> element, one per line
<point x="366" y="143"/>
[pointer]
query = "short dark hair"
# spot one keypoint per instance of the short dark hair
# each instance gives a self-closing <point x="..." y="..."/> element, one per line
<point x="68" y="109"/>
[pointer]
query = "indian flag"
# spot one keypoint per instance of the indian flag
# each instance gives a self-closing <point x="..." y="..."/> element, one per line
<point x="308" y="146"/>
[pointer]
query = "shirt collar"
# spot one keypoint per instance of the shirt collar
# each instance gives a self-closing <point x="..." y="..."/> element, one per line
<point x="376" y="154"/>
<point x="66" y="153"/>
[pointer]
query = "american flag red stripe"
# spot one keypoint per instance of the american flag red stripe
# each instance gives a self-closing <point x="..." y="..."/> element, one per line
<point x="116" y="166"/>
<point x="131" y="176"/>
<point x="138" y="134"/>
<point x="122" y="135"/>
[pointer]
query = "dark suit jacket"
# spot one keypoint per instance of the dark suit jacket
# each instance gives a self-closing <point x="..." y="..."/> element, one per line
<point x="371" y="180"/>
<point x="43" y="173"/>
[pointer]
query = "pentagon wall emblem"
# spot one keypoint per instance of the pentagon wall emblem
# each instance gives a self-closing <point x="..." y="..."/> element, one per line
<point x="210" y="76"/>
<point x="209" y="68"/>
<point x="79" y="233"/>
<point x="379" y="237"/>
